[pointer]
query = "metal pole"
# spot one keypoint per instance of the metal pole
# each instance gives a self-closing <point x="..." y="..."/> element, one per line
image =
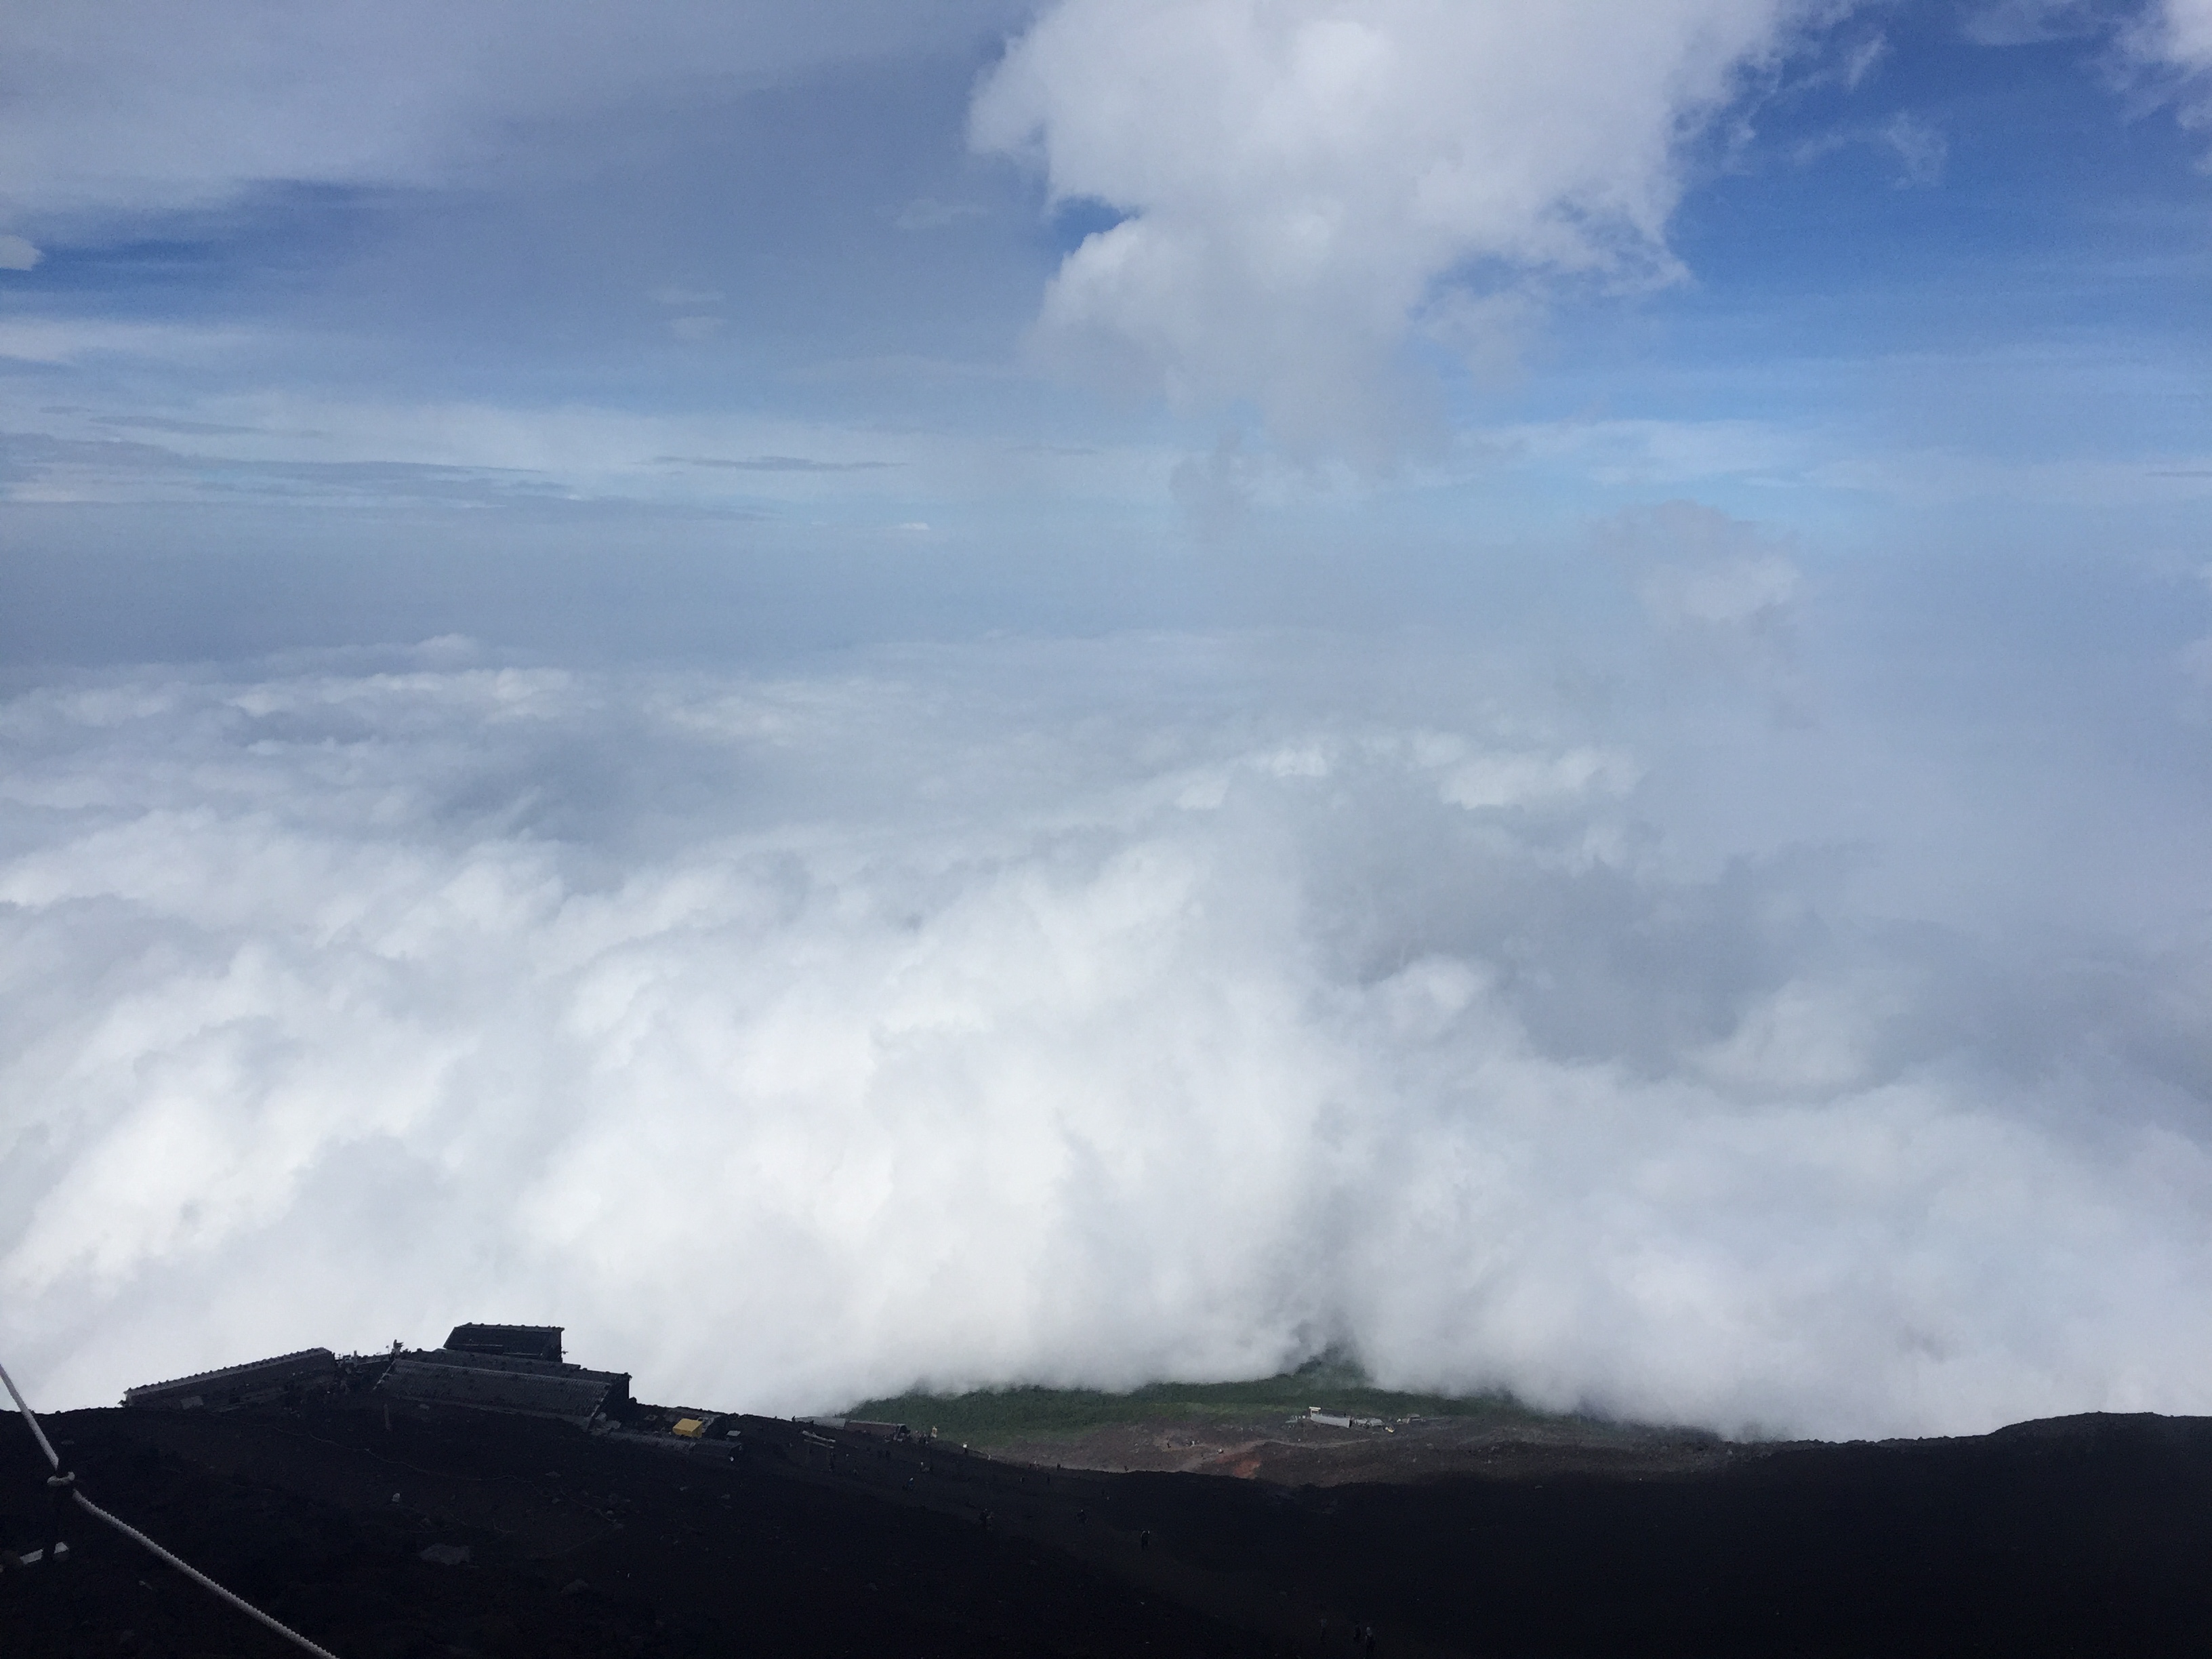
<point x="62" y="1484"/>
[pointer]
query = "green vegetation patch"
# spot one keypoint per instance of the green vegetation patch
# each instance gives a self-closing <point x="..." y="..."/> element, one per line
<point x="1335" y="1384"/>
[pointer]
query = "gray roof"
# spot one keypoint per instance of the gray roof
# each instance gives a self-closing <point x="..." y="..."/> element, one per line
<point x="499" y="1362"/>
<point x="522" y="1341"/>
<point x="232" y="1384"/>
<point x="569" y="1393"/>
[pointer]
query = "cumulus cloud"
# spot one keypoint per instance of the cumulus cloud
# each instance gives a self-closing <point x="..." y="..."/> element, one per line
<point x="1044" y="1012"/>
<point x="1303" y="181"/>
<point x="18" y="254"/>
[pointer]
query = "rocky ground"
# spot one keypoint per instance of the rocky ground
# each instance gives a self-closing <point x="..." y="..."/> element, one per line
<point x="448" y="1534"/>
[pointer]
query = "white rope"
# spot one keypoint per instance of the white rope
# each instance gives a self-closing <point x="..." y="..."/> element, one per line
<point x="60" y="1479"/>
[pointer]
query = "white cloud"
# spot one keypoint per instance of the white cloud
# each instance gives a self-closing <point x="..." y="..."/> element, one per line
<point x="18" y="254"/>
<point x="939" y="1018"/>
<point x="2181" y="32"/>
<point x="2176" y="36"/>
<point x="1304" y="179"/>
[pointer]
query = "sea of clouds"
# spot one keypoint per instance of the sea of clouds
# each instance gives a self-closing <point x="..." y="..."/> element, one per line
<point x="1062" y="1011"/>
<point x="1688" y="1024"/>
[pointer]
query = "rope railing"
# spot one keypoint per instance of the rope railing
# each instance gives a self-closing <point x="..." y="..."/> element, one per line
<point x="64" y="1482"/>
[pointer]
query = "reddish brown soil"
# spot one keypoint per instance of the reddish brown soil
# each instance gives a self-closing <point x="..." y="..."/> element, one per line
<point x="1292" y="1452"/>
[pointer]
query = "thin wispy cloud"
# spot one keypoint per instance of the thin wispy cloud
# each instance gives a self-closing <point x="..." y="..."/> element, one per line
<point x="127" y="106"/>
<point x="168" y="424"/>
<point x="772" y="464"/>
<point x="1919" y="148"/>
<point x="2028" y="22"/>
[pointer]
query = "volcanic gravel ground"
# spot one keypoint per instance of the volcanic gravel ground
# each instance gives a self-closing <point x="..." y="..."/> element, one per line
<point x="2082" y="1534"/>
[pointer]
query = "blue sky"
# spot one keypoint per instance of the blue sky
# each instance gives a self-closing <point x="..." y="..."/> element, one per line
<point x="1902" y="284"/>
<point x="1174" y="680"/>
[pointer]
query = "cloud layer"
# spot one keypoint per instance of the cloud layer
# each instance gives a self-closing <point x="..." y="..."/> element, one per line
<point x="1032" y="1012"/>
<point x="134" y="105"/>
<point x="1305" y="182"/>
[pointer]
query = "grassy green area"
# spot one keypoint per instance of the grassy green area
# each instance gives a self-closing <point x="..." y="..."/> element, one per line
<point x="991" y="1415"/>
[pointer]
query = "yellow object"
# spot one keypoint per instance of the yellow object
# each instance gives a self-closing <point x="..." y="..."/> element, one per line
<point x="690" y="1427"/>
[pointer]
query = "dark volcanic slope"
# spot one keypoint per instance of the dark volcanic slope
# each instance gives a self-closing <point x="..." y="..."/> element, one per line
<point x="580" y="1546"/>
<point x="2087" y="1535"/>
